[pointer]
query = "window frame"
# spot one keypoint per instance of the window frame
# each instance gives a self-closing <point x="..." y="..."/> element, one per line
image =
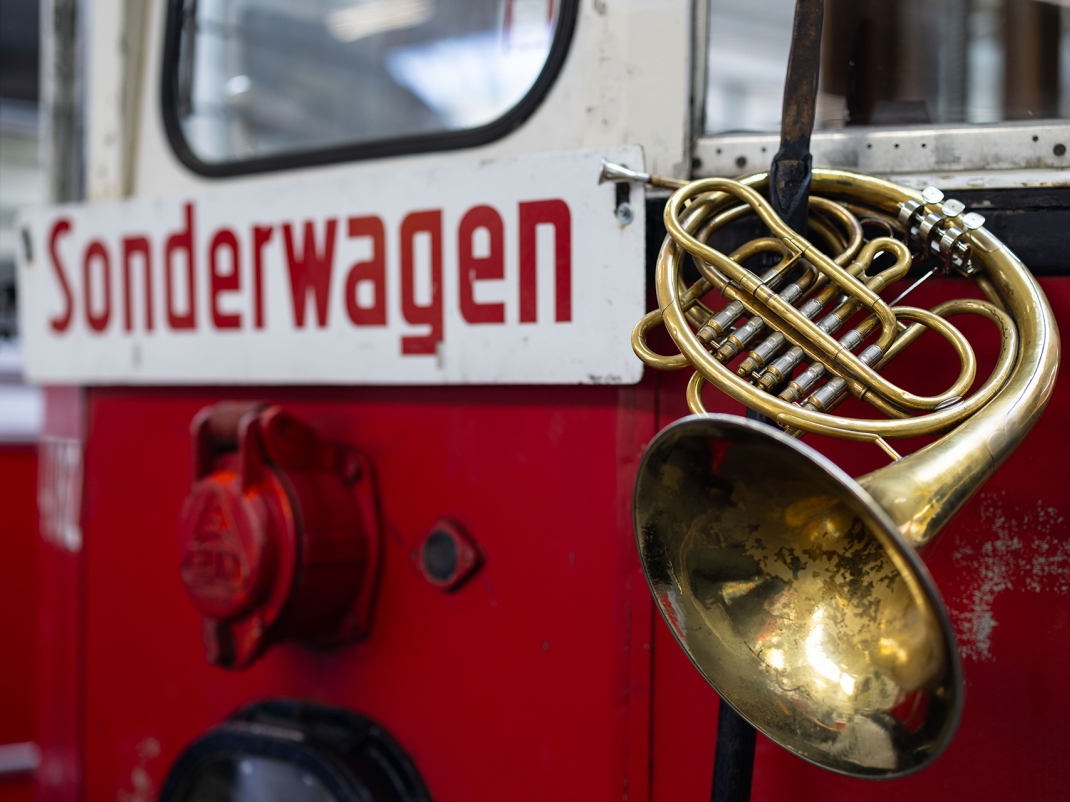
<point x="967" y="150"/>
<point x="375" y="149"/>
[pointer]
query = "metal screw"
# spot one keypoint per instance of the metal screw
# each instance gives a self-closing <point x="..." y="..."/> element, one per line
<point x="352" y="470"/>
<point x="625" y="213"/>
<point x="282" y="427"/>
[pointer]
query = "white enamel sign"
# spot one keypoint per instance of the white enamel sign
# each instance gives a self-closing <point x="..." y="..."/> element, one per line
<point x="509" y="271"/>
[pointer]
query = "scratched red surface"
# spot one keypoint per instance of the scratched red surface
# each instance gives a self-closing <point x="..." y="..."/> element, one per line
<point x="546" y="677"/>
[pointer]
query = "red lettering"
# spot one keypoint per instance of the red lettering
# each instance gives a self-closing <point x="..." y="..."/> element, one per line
<point x="63" y="321"/>
<point x="96" y="251"/>
<point x="261" y="237"/>
<point x="181" y="241"/>
<point x="429" y="222"/>
<point x="311" y="271"/>
<point x="131" y="246"/>
<point x="373" y="270"/>
<point x="480" y="268"/>
<point x="224" y="282"/>
<point x="532" y="215"/>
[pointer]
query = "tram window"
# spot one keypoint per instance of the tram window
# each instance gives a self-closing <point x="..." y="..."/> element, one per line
<point x="255" y="84"/>
<point x="894" y="62"/>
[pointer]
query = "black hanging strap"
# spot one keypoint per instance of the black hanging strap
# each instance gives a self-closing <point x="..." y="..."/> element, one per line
<point x="789" y="185"/>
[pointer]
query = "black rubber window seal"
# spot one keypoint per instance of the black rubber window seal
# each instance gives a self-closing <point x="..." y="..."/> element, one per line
<point x="353" y="758"/>
<point x="378" y="149"/>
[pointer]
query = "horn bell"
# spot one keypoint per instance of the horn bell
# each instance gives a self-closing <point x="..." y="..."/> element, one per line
<point x="796" y="598"/>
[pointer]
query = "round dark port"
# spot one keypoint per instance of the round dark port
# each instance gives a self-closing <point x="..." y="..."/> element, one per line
<point x="741" y="162"/>
<point x="440" y="556"/>
<point x="1059" y="150"/>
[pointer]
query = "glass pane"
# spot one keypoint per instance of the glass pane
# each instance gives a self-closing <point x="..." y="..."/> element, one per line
<point x="265" y="77"/>
<point x="894" y="62"/>
<point x="255" y="779"/>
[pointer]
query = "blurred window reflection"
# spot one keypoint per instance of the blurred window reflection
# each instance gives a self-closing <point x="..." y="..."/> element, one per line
<point x="266" y="77"/>
<point x="894" y="62"/>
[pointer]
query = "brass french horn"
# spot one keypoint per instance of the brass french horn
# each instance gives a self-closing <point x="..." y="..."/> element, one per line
<point x="797" y="591"/>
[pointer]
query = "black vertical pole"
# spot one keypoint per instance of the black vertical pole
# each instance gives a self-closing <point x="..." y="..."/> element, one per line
<point x="789" y="192"/>
<point x="733" y="762"/>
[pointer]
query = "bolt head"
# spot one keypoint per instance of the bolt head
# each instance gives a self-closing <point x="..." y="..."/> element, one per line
<point x="352" y="467"/>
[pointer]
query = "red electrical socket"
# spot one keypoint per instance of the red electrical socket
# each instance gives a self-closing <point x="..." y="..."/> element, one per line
<point x="280" y="536"/>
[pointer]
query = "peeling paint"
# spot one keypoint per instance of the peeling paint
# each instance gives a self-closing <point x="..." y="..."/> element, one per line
<point x="143" y="787"/>
<point x="1020" y="548"/>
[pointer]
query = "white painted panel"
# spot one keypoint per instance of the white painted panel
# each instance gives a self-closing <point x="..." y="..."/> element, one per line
<point x="586" y="293"/>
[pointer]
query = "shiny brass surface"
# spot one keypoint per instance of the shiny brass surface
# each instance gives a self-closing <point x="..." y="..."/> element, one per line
<point x="791" y="591"/>
<point x="795" y="590"/>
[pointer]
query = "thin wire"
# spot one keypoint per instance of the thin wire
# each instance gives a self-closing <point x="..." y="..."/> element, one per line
<point x="913" y="286"/>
